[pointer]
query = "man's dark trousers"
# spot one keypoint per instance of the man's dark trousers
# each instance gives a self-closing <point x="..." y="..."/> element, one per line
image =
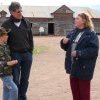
<point x="21" y="72"/>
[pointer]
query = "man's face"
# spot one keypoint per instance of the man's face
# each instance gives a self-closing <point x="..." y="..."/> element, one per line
<point x="17" y="14"/>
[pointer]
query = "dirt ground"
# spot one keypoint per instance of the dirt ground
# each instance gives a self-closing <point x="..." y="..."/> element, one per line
<point x="48" y="80"/>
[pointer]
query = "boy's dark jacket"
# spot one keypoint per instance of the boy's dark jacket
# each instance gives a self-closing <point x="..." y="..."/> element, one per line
<point x="87" y="51"/>
<point x="4" y="58"/>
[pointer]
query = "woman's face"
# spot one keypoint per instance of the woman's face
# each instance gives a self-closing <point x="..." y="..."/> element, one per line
<point x="79" y="22"/>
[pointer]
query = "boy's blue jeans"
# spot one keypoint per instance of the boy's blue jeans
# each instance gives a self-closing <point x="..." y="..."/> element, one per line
<point x="10" y="90"/>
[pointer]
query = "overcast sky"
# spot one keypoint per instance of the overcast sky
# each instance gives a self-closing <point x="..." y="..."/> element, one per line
<point x="87" y="3"/>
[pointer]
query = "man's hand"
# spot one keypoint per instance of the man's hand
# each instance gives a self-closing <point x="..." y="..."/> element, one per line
<point x="13" y="62"/>
<point x="74" y="53"/>
<point x="65" y="40"/>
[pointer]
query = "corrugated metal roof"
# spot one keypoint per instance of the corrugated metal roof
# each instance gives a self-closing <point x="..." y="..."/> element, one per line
<point x="34" y="11"/>
<point x="45" y="11"/>
<point x="91" y="12"/>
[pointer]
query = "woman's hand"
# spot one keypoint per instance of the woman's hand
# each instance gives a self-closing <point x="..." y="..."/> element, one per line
<point x="74" y="53"/>
<point x="13" y="62"/>
<point x="65" y="40"/>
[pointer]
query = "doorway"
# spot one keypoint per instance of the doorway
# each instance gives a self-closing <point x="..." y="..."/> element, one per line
<point x="51" y="28"/>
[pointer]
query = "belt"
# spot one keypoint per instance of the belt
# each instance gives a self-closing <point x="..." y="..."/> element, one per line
<point x="20" y="50"/>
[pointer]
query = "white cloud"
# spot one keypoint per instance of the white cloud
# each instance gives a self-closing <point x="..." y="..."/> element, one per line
<point x="55" y="2"/>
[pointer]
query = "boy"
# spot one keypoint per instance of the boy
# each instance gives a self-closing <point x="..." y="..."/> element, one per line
<point x="10" y="91"/>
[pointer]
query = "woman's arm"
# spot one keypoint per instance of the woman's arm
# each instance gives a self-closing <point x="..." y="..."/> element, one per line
<point x="63" y="45"/>
<point x="65" y="42"/>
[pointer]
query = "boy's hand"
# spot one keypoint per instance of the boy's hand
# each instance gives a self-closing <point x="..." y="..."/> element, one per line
<point x="13" y="62"/>
<point x="65" y="40"/>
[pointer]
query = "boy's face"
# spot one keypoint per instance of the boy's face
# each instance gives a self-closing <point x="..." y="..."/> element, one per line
<point x="4" y="38"/>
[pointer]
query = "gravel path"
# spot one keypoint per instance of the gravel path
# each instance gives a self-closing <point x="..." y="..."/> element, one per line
<point x="48" y="80"/>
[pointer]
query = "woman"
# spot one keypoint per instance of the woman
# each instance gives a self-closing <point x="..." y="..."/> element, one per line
<point x="81" y="46"/>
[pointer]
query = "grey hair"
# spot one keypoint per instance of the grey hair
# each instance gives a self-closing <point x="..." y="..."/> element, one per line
<point x="14" y="6"/>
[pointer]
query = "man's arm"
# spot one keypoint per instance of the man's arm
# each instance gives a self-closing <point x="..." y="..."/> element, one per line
<point x="31" y="42"/>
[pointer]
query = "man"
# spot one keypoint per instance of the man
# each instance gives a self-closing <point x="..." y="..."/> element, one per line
<point x="20" y="42"/>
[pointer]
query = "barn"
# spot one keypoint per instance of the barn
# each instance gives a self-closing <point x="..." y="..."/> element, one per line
<point x="52" y="20"/>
